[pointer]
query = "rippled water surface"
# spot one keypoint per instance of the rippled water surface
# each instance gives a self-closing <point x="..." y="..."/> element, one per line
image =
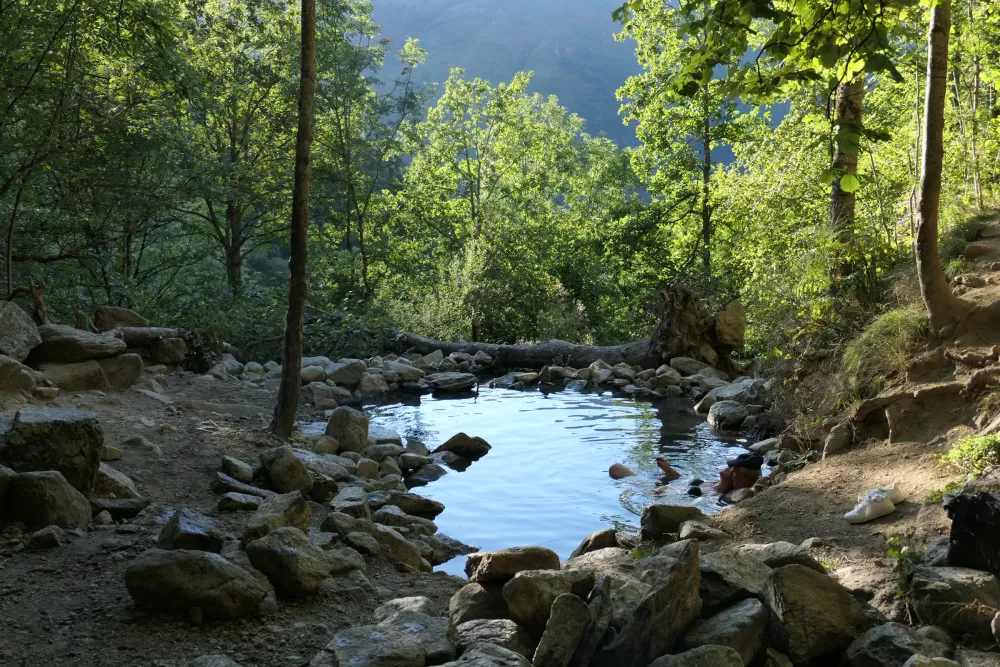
<point x="545" y="481"/>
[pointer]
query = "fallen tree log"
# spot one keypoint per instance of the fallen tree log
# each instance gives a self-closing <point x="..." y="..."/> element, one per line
<point x="685" y="329"/>
<point x="145" y="336"/>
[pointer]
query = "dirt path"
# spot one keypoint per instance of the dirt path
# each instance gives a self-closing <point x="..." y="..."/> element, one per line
<point x="69" y="606"/>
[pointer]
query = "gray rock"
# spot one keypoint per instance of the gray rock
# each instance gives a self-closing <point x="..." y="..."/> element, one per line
<point x="390" y="515"/>
<point x="15" y="377"/>
<point x="49" y="537"/>
<point x="373" y="646"/>
<point x="703" y="656"/>
<point x="840" y="438"/>
<point x="661" y="617"/>
<point x="697" y="530"/>
<point x="740" y="627"/>
<point x="501" y="565"/>
<point x="111" y="483"/>
<point x="417" y="604"/>
<point x="364" y="543"/>
<point x="726" y="415"/>
<point x="40" y="499"/>
<point x="408" y="461"/>
<point x="489" y="655"/>
<point x="18" y="333"/>
<point x="346" y="373"/>
<point x="995" y="628"/>
<point x="400" y="551"/>
<point x="213" y="661"/>
<point x="659" y="520"/>
<point x="601" y="539"/>
<point x="687" y="366"/>
<point x="66" y="345"/>
<point x="747" y="391"/>
<point x="237" y="469"/>
<point x="350" y="429"/>
<point x="530" y="594"/>
<point x="969" y="658"/>
<point x="79" y="376"/>
<point x="188" y="529"/>
<point x="122" y="371"/>
<point x="813" y="616"/>
<point x="345" y="559"/>
<point x="69" y="441"/>
<point x="444" y="548"/>
<point x="177" y="581"/>
<point x="426" y="474"/>
<point x="953" y="598"/>
<point x="892" y="644"/>
<point x="345" y="524"/>
<point x="779" y="554"/>
<point x="107" y="318"/>
<point x="379" y="452"/>
<point x="727" y="578"/>
<point x="293" y="564"/>
<point x="924" y="661"/>
<point x="286" y="471"/>
<point x="568" y="621"/>
<point x="416" y="505"/>
<point x="466" y="446"/>
<point x="452" y="382"/>
<point x="119" y="508"/>
<point x="372" y="384"/>
<point x="477" y="601"/>
<point x="223" y="483"/>
<point x="501" y="631"/>
<point x="434" y="634"/>
<point x="367" y="469"/>
<point x="352" y="501"/>
<point x="279" y="511"/>
<point x="6" y="476"/>
<point x="169" y="351"/>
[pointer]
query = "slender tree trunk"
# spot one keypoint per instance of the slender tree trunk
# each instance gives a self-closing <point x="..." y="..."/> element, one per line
<point x="977" y="172"/>
<point x="291" y="358"/>
<point x="706" y="175"/>
<point x="850" y="99"/>
<point x="234" y="249"/>
<point x="10" y="237"/>
<point x="942" y="306"/>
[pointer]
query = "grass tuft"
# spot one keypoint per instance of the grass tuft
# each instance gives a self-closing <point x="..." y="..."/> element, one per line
<point x="881" y="351"/>
<point x="973" y="454"/>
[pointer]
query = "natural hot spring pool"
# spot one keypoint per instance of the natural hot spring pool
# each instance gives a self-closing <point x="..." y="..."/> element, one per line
<point x="545" y="482"/>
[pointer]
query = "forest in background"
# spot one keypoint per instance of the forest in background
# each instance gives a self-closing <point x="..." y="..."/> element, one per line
<point x="147" y="149"/>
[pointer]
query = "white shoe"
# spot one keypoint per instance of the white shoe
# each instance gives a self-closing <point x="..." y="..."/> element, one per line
<point x="894" y="494"/>
<point x="872" y="505"/>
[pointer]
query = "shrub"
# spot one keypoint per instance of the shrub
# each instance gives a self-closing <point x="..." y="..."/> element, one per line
<point x="974" y="453"/>
<point x="881" y="351"/>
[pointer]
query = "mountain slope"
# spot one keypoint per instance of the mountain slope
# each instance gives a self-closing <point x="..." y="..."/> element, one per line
<point x="568" y="44"/>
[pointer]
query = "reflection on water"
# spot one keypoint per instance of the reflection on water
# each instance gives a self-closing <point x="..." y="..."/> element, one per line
<point x="545" y="481"/>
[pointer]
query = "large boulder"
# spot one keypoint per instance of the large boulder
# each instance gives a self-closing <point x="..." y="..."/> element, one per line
<point x="66" y="345"/>
<point x="122" y="371"/>
<point x="371" y="645"/>
<point x="178" y="581"/>
<point x="111" y="483"/>
<point x="779" y="554"/>
<point x="662" y="616"/>
<point x="60" y="439"/>
<point x="659" y="520"/>
<point x="500" y="566"/>
<point x="740" y="627"/>
<point x="727" y="415"/>
<point x="687" y="366"/>
<point x="79" y="376"/>
<point x="18" y="333"/>
<point x="568" y="620"/>
<point x="488" y="655"/>
<point x="434" y="633"/>
<point x="601" y="539"/>
<point x="956" y="599"/>
<point x="112" y="317"/>
<point x="813" y="617"/>
<point x="747" y="391"/>
<point x="400" y="551"/>
<point x="278" y="511"/>
<point x="6" y="477"/>
<point x="349" y="427"/>
<point x="731" y="325"/>
<point x="169" y="351"/>
<point x="417" y="505"/>
<point x="285" y="470"/>
<point x="477" y="601"/>
<point x="892" y="644"/>
<point x="40" y="499"/>
<point x="728" y="577"/>
<point x="502" y="632"/>
<point x="352" y="501"/>
<point x="290" y="561"/>
<point x="703" y="656"/>
<point x="15" y="377"/>
<point x="530" y="594"/>
<point x="191" y="530"/>
<point x="346" y="373"/>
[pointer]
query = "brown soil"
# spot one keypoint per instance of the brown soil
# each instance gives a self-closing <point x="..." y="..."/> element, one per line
<point x="69" y="606"/>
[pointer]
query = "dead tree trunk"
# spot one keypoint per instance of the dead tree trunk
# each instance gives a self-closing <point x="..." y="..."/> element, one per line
<point x="685" y="329"/>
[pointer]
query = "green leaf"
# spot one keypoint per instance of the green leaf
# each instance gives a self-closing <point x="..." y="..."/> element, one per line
<point x="827" y="177"/>
<point x="849" y="183"/>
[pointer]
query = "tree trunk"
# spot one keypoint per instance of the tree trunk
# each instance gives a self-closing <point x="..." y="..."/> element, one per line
<point x="706" y="176"/>
<point x="234" y="248"/>
<point x="850" y="99"/>
<point x="943" y="308"/>
<point x="291" y="358"/>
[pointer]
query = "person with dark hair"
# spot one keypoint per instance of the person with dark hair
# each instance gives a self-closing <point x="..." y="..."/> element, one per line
<point x="740" y="473"/>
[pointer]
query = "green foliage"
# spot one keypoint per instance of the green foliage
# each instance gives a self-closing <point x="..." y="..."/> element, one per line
<point x="973" y="454"/>
<point x="879" y="354"/>
<point x="907" y="559"/>
<point x="936" y="497"/>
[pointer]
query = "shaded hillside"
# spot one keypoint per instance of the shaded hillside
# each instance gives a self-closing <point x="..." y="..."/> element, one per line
<point x="569" y="46"/>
